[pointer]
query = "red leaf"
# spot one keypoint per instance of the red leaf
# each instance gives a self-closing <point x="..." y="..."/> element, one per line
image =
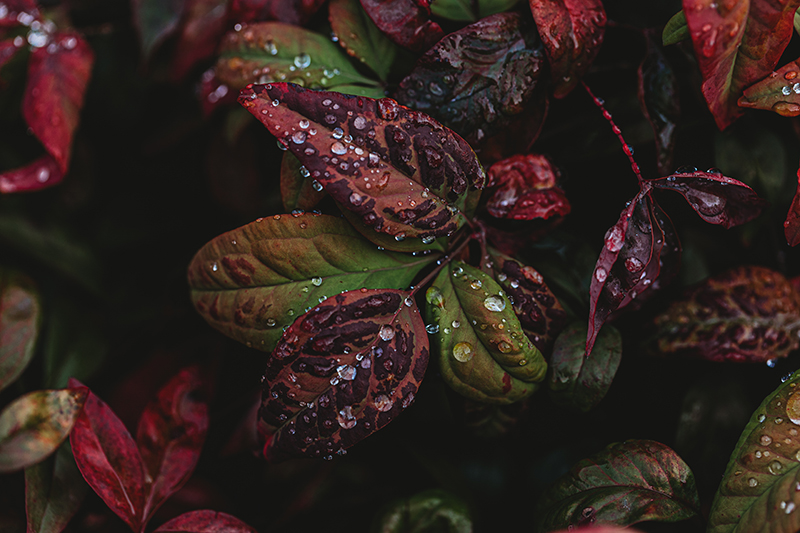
<point x="58" y="74"/>
<point x="108" y="459"/>
<point x="791" y="227"/>
<point x="213" y="93"/>
<point x="204" y="24"/>
<point x="16" y="11"/>
<point x="526" y="189"/>
<point x="296" y="12"/>
<point x="778" y="92"/>
<point x="171" y="433"/>
<point x="406" y="22"/>
<point x="7" y="50"/>
<point x="205" y="521"/>
<point x="42" y="173"/>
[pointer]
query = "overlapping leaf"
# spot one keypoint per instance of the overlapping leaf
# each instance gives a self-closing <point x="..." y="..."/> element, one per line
<point x="295" y="12"/>
<point x="778" y="92"/>
<point x="476" y="79"/>
<point x="484" y="353"/>
<point x="406" y="22"/>
<point x="675" y="30"/>
<point x="43" y="172"/>
<point x="359" y="36"/>
<point x="402" y="172"/>
<point x="251" y="282"/>
<point x="205" y="521"/>
<point x="791" y="226"/>
<point x="744" y="314"/>
<point x="342" y="371"/>
<point x="525" y="188"/>
<point x="54" y="491"/>
<point x="626" y="483"/>
<point x="297" y="191"/>
<point x="20" y="321"/>
<point x="430" y="511"/>
<point x="203" y="25"/>
<point x="469" y="11"/>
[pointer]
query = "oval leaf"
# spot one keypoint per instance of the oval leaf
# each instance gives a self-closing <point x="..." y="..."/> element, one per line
<point x="20" y="321"/>
<point x="675" y="30"/>
<point x="205" y="521"/>
<point x="429" y="511"/>
<point x="526" y="189"/>
<point x="54" y="490"/>
<point x="778" y="92"/>
<point x="359" y="36"/>
<point x="341" y="372"/>
<point x="406" y="22"/>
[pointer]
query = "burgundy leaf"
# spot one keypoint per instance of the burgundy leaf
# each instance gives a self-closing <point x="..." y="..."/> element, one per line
<point x="525" y="188"/>
<point x="779" y="91"/>
<point x="716" y="198"/>
<point x="296" y="12"/>
<point x="44" y="172"/>
<point x="17" y="12"/>
<point x="205" y="521"/>
<point x="791" y="227"/>
<point x="7" y="50"/>
<point x="204" y="24"/>
<point x="214" y="93"/>
<point x="406" y="22"/>
<point x="342" y="371"/>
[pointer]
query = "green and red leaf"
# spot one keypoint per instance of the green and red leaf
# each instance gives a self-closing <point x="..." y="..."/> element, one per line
<point x="54" y="491"/>
<point x="523" y="187"/>
<point x="20" y="322"/>
<point x="470" y="11"/>
<point x="431" y="510"/>
<point x="358" y="35"/>
<point x="778" y="92"/>
<point x="406" y="22"/>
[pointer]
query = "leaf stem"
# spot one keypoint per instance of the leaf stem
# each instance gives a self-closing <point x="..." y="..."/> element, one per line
<point x="440" y="264"/>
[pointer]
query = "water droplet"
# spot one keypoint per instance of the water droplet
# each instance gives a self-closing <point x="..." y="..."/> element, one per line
<point x="775" y="467"/>
<point x="428" y="239"/>
<point x="271" y="322"/>
<point x="386" y="333"/>
<point x="614" y="239"/>
<point x="600" y="274"/>
<point x="434" y="297"/>
<point x="463" y="352"/>
<point x="753" y="482"/>
<point x="302" y="61"/>
<point x="316" y="281"/>
<point x="761" y="418"/>
<point x="214" y="267"/>
<point x="299" y="137"/>
<point x="504" y="347"/>
<point x="436" y="89"/>
<point x="786" y="90"/>
<point x="765" y="440"/>
<point x="337" y="133"/>
<point x="37" y="39"/>
<point x="317" y="186"/>
<point x="494" y="303"/>
<point x="356" y="199"/>
<point x="359" y="123"/>
<point x="432" y="328"/>
<point x="793" y="408"/>
<point x="346" y="418"/>
<point x="383" y="403"/>
<point x="304" y="172"/>
<point x="338" y="148"/>
<point x="476" y="284"/>
<point x="346" y="372"/>
<point x="400" y="237"/>
<point x="456" y="324"/>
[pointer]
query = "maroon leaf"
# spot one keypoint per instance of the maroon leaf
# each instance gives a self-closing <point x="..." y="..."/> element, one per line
<point x="406" y="22"/>
<point x="572" y="32"/>
<point x="205" y="521"/>
<point x="15" y="12"/>
<point x="526" y="189"/>
<point x="296" y="12"/>
<point x="791" y="227"/>
<point x="778" y="92"/>
<point x="342" y="371"/>
<point x="204" y="24"/>
<point x="716" y="198"/>
<point x="44" y="172"/>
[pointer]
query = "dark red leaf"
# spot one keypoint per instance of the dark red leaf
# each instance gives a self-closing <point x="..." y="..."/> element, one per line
<point x="42" y="173"/>
<point x="7" y="50"/>
<point x="406" y="22"/>
<point x="778" y="92"/>
<point x="341" y="372"/>
<point x="572" y="32"/>
<point x="525" y="188"/>
<point x="204" y="23"/>
<point x="716" y="198"/>
<point x="296" y="12"/>
<point x="205" y="521"/>
<point x="58" y="75"/>
<point x="791" y="227"/>
<point x="214" y="93"/>
<point x="15" y="12"/>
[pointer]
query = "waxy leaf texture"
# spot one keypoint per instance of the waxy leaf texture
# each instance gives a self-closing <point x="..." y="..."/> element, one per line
<point x="342" y="371"/>
<point x="430" y="510"/>
<point x="523" y="187"/>
<point x="359" y="36"/>
<point x="54" y="491"/>
<point x="20" y="321"/>
<point x="778" y="92"/>
<point x="205" y="521"/>
<point x="406" y="22"/>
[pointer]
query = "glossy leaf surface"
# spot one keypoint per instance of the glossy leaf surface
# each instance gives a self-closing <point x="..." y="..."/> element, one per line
<point x="675" y="30"/>
<point x="626" y="483"/>
<point x="791" y="226"/>
<point x="428" y="511"/>
<point x="251" y="282"/>
<point x="406" y="22"/>
<point x="420" y="173"/>
<point x="54" y="491"/>
<point x="747" y="314"/>
<point x="572" y="32"/>
<point x="297" y="190"/>
<point x="205" y="521"/>
<point x="155" y="20"/>
<point x="359" y="36"/>
<point x="484" y="354"/>
<point x="778" y="92"/>
<point x="469" y="11"/>
<point x="341" y="372"/>
<point x="524" y="188"/>
<point x="34" y="426"/>
<point x="41" y="173"/>
<point x="20" y="321"/>
<point x="295" y="12"/>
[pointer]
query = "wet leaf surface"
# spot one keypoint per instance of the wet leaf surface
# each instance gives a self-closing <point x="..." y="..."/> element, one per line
<point x="675" y="30"/>
<point x="778" y="92"/>
<point x="791" y="226"/>
<point x="406" y="22"/>
<point x="359" y="36"/>
<point x="54" y="490"/>
<point x="20" y="321"/>
<point x="478" y="78"/>
<point x="297" y="190"/>
<point x="428" y="511"/>
<point x="468" y="11"/>
<point x="204" y="23"/>
<point x="341" y="372"/>
<point x="296" y="12"/>
<point x="402" y="172"/>
<point x="205" y="521"/>
<point x="523" y="187"/>
<point x="11" y="15"/>
<point x="34" y="426"/>
<point x="747" y="314"/>
<point x="626" y="483"/>
<point x="253" y="281"/>
<point x="155" y="20"/>
<point x="572" y="32"/>
<point x="44" y="172"/>
<point x="484" y="354"/>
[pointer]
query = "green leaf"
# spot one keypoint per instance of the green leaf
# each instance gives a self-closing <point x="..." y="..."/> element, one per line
<point x="20" y="321"/>
<point x="431" y="511"/>
<point x="797" y="21"/>
<point x="251" y="282"/>
<point x="54" y="490"/>
<point x="297" y="190"/>
<point x="155" y="20"/>
<point x="359" y="36"/>
<point x="626" y="483"/>
<point x="483" y="352"/>
<point x="468" y="10"/>
<point x="579" y="381"/>
<point x="675" y="30"/>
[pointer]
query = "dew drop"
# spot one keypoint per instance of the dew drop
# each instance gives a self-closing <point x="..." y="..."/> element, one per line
<point x="338" y="148"/>
<point x="463" y="352"/>
<point x="359" y="123"/>
<point x="317" y="186"/>
<point x="346" y="372"/>
<point x="456" y="324"/>
<point x="614" y="239"/>
<point x="432" y="328"/>
<point x="383" y="403"/>
<point x="765" y="440"/>
<point x="346" y="418"/>
<point x="386" y="333"/>
<point x="316" y="282"/>
<point x="356" y="199"/>
<point x="302" y="60"/>
<point x="494" y="303"/>
<point x="753" y="482"/>
<point x="338" y="133"/>
<point x="761" y="418"/>
<point x="299" y="137"/>
<point x="775" y="467"/>
<point x="786" y="90"/>
<point x="476" y="284"/>
<point x="633" y="264"/>
<point x="600" y="274"/>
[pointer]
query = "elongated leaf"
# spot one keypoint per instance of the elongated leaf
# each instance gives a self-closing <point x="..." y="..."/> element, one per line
<point x="205" y="521"/>
<point x="155" y="20"/>
<point x="428" y="511"/>
<point x="204" y="23"/>
<point x="745" y="314"/>
<point x="54" y="490"/>
<point x="675" y="29"/>
<point x="469" y="11"/>
<point x="475" y="80"/>
<point x="791" y="227"/>
<point x="20" y="321"/>
<point x="295" y="12"/>
<point x="341" y="372"/>
<point x="297" y="190"/>
<point x="406" y="22"/>
<point x="43" y="172"/>
<point x="626" y="483"/>
<point x="251" y="282"/>
<point x="34" y="426"/>
<point x="402" y="172"/>
<point x="525" y="189"/>
<point x="359" y="36"/>
<point x="778" y="92"/>
<point x="483" y="351"/>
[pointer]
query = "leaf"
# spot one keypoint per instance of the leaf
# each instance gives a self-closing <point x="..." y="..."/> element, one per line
<point x="296" y="12"/>
<point x="484" y="354"/>
<point x="475" y="80"/>
<point x="716" y="198"/>
<point x="422" y="173"/>
<point x="204" y="24"/>
<point x="10" y="17"/>
<point x="43" y="172"/>
<point x="342" y="371"/>
<point x="626" y="483"/>
<point x="572" y="32"/>
<point x="20" y="322"/>
<point x="155" y="20"/>
<point x="675" y="30"/>
<point x="297" y="191"/>
<point x="525" y="189"/>
<point x="791" y="227"/>
<point x="34" y="426"/>
<point x="747" y="314"/>
<point x="779" y="92"/>
<point x="7" y="51"/>
<point x="54" y="491"/>
<point x="431" y="511"/>
<point x="759" y="487"/>
<point x="205" y="521"/>
<point x="251" y="282"/>
<point x="406" y="22"/>
<point x="579" y="381"/>
<point x="359" y="36"/>
<point x="109" y="461"/>
<point x="468" y="11"/>
<point x="736" y="45"/>
<point x="170" y="435"/>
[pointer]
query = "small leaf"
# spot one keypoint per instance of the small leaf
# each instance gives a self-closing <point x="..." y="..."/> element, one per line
<point x="155" y="20"/>
<point x="428" y="511"/>
<point x="525" y="188"/>
<point x="298" y="191"/>
<point x="626" y="483"/>
<point x="359" y="36"/>
<point x="791" y="227"/>
<point x="54" y="491"/>
<point x="341" y="372"/>
<point x="675" y="30"/>
<point x="779" y="92"/>
<point x="20" y="322"/>
<point x="34" y="426"/>
<point x="406" y="22"/>
<point x="252" y="282"/>
<point x="41" y="173"/>
<point x="296" y="12"/>
<point x="579" y="381"/>
<point x="205" y="521"/>
<point x="747" y="314"/>
<point x="204" y="23"/>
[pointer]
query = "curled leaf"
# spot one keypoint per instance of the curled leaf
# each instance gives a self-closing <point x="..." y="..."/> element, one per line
<point x="791" y="227"/>
<point x="20" y="321"/>
<point x="430" y="510"/>
<point x="205" y="521"/>
<point x="358" y="35"/>
<point x="525" y="188"/>
<point x="406" y="22"/>
<point x="54" y="491"/>
<point x="778" y="92"/>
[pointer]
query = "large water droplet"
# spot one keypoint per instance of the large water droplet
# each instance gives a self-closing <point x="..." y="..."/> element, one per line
<point x="614" y="239"/>
<point x="383" y="403"/>
<point x="494" y="303"/>
<point x="765" y="440"/>
<point x="356" y="199"/>
<point x="633" y="264"/>
<point x="706" y="204"/>
<point x="753" y="482"/>
<point x="463" y="352"/>
<point x="386" y="333"/>
<point x="346" y="372"/>
<point x="302" y="61"/>
<point x="338" y="148"/>
<point x="359" y="123"/>
<point x="432" y="328"/>
<point x="316" y="281"/>
<point x="793" y="408"/>
<point x="775" y="467"/>
<point x="600" y="274"/>
<point x="337" y="133"/>
<point x="299" y="137"/>
<point x="346" y="418"/>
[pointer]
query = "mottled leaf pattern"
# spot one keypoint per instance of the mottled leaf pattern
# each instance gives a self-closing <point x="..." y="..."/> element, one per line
<point x="20" y="321"/>
<point x="791" y="226"/>
<point x="430" y="510"/>
<point x="297" y="191"/>
<point x="54" y="490"/>
<point x="523" y="187"/>
<point x="778" y="92"/>
<point x="406" y="22"/>
<point x="359" y="36"/>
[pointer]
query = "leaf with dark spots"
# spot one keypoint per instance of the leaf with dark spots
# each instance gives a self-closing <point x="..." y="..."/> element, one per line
<point x="470" y="11"/>
<point x="523" y="187"/>
<point x="658" y="97"/>
<point x="747" y="314"/>
<point x="406" y="22"/>
<point x="403" y="173"/>
<point x="431" y="511"/>
<point x="572" y="32"/>
<point x="34" y="425"/>
<point x="779" y="91"/>
<point x="20" y="322"/>
<point x="737" y="44"/>
<point x="298" y="191"/>
<point x="675" y="30"/>
<point x="296" y="12"/>
<point x="759" y="490"/>
<point x="42" y="173"/>
<point x="54" y="491"/>
<point x="791" y="226"/>
<point x="205" y="521"/>
<point x="204" y="23"/>
<point x="253" y="281"/>
<point x="626" y="483"/>
<point x="716" y="198"/>
<point x="478" y="78"/>
<point x="359" y="36"/>
<point x="484" y="354"/>
<point x="342" y="371"/>
<point x="579" y="381"/>
<point x="155" y="20"/>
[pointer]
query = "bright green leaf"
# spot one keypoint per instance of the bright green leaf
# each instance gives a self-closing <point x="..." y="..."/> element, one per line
<point x="359" y="36"/>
